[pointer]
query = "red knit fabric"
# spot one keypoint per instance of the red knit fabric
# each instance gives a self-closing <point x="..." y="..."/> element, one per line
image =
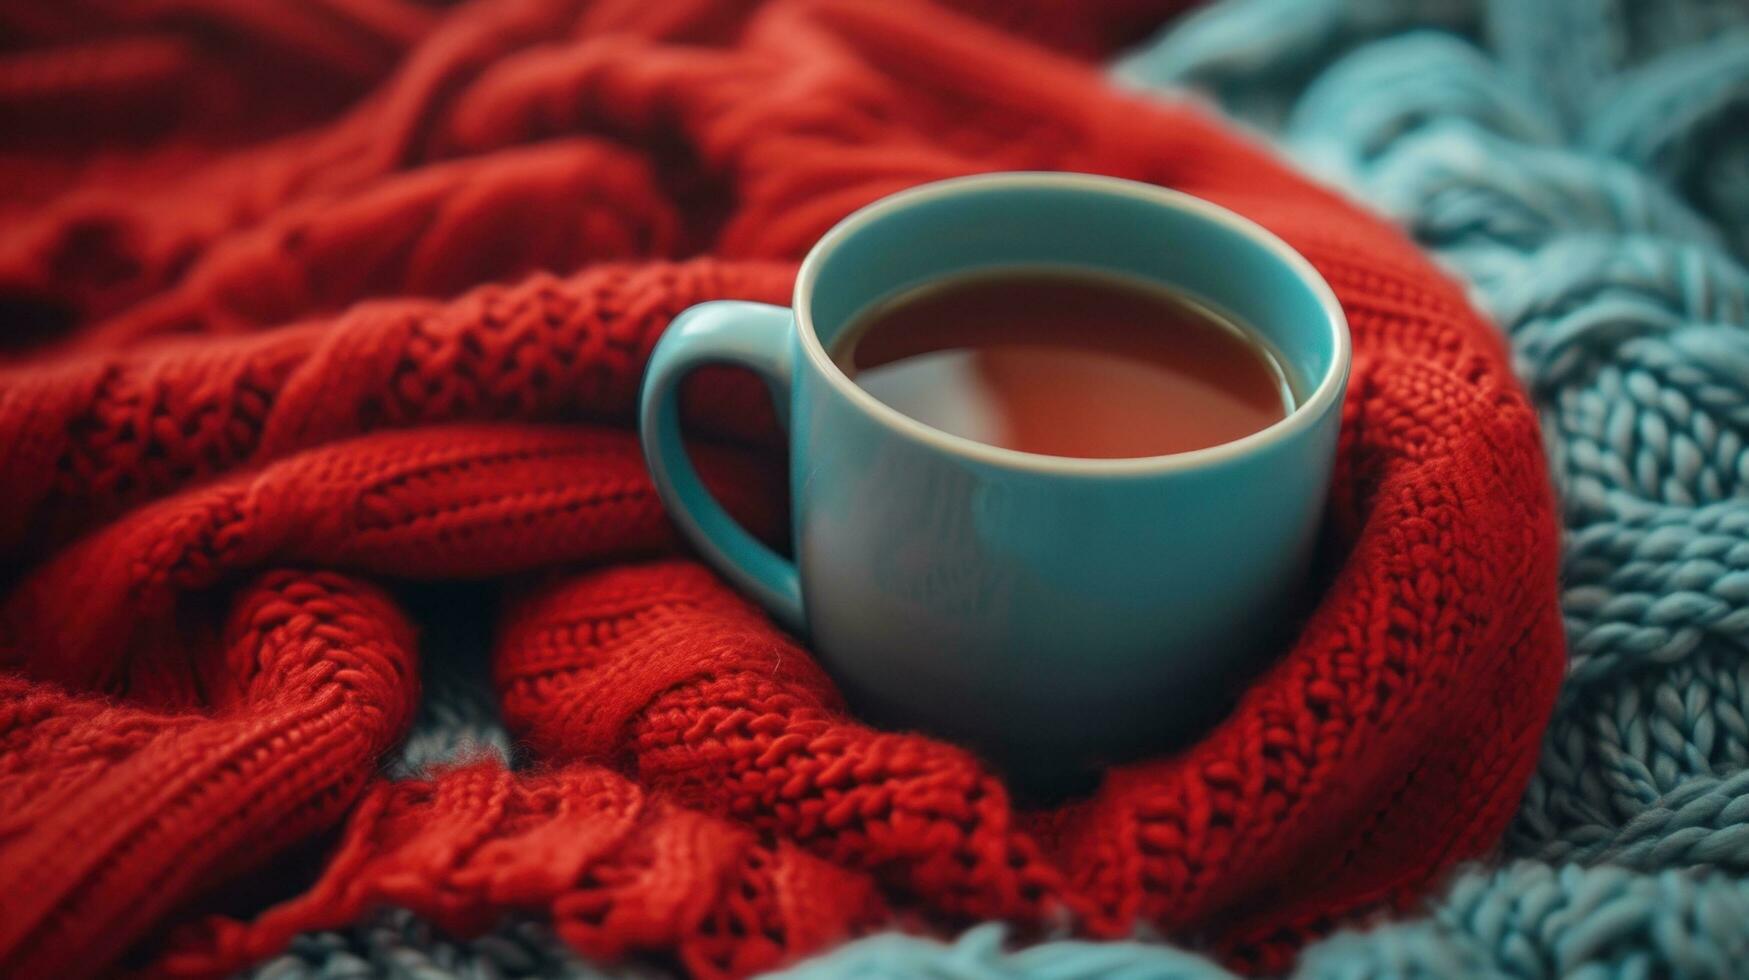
<point x="297" y="296"/>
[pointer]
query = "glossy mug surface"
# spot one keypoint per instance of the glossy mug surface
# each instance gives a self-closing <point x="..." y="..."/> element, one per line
<point x="1034" y="607"/>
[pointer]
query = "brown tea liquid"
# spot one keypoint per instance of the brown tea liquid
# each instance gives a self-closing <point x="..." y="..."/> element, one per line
<point x="1065" y="363"/>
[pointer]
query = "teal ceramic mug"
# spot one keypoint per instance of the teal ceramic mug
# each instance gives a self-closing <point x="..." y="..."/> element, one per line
<point x="1041" y="609"/>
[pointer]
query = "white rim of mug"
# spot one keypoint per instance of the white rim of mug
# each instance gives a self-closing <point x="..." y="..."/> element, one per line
<point x="1329" y="387"/>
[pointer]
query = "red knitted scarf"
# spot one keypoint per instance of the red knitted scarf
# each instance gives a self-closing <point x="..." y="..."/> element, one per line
<point x="248" y="379"/>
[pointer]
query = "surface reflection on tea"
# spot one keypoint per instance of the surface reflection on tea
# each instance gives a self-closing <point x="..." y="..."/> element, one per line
<point x="1066" y="363"/>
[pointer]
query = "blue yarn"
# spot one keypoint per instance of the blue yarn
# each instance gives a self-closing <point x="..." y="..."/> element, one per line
<point x="1254" y="56"/>
<point x="1584" y="166"/>
<point x="1339" y="128"/>
<point x="1568" y="49"/>
<point x="979" y="954"/>
<point x="1526" y="920"/>
<point x="1487" y="203"/>
<point x="1685" y="118"/>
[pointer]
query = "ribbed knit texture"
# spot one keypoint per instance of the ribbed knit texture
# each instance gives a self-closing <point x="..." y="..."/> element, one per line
<point x="254" y="367"/>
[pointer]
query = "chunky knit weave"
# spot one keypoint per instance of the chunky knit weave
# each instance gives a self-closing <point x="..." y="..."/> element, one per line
<point x="251" y="371"/>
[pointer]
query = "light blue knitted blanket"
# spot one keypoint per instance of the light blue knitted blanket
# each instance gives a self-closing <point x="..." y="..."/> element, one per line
<point x="1584" y="166"/>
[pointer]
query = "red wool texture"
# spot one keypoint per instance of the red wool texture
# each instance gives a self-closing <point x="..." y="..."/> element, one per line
<point x="305" y="303"/>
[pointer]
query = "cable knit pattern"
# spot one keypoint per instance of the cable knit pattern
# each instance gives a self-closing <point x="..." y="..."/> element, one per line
<point x="114" y="812"/>
<point x="393" y="327"/>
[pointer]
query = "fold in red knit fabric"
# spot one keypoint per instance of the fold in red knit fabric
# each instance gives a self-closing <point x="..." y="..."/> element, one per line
<point x="298" y="301"/>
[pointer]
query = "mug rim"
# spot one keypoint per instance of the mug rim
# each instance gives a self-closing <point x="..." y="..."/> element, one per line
<point x="1304" y="415"/>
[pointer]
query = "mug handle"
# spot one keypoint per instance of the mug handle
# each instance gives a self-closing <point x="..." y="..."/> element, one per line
<point x="750" y="335"/>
